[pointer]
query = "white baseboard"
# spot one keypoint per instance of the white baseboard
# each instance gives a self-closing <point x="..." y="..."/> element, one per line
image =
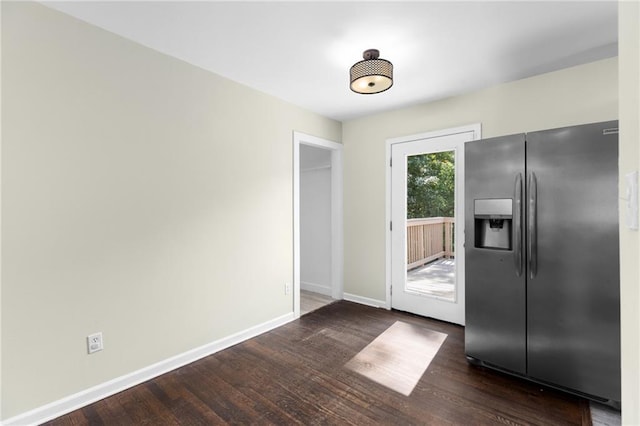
<point x="316" y="288"/>
<point x="365" y="300"/>
<point x="103" y="390"/>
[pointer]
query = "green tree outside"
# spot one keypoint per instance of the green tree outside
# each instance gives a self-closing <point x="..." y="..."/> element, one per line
<point x="431" y="185"/>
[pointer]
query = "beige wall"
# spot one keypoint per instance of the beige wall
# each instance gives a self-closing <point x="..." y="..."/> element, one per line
<point x="629" y="51"/>
<point x="141" y="196"/>
<point x="582" y="94"/>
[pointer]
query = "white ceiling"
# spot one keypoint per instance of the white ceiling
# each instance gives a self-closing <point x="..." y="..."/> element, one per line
<point x="301" y="51"/>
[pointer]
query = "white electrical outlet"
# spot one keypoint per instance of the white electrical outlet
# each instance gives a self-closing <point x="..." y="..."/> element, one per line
<point x="94" y="343"/>
<point x="287" y="288"/>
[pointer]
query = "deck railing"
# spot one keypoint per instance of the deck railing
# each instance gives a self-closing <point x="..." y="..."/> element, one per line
<point x="429" y="239"/>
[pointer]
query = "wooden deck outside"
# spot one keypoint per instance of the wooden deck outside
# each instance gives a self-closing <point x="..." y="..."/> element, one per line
<point x="435" y="279"/>
<point x="430" y="256"/>
<point x="429" y="239"/>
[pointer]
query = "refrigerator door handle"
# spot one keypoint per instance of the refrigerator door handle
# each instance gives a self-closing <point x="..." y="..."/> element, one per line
<point x="532" y="227"/>
<point x="517" y="224"/>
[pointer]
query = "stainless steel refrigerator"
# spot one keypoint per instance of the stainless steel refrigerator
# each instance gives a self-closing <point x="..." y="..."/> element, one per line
<point x="542" y="257"/>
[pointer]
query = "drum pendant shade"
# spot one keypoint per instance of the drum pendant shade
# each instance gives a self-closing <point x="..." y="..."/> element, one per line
<point x="372" y="75"/>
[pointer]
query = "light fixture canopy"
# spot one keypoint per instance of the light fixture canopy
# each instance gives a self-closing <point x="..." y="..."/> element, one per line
<point x="372" y="75"/>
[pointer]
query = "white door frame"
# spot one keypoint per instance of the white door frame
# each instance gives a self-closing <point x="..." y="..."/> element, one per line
<point x="337" y="286"/>
<point x="477" y="134"/>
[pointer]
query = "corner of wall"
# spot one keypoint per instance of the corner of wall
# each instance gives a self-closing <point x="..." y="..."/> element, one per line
<point x="1" y="215"/>
<point x="629" y="109"/>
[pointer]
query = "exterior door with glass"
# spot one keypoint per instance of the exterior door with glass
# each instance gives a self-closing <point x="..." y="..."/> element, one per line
<point x="427" y="224"/>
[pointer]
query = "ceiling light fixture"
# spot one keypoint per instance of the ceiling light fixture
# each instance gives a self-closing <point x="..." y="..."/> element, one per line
<point x="373" y="75"/>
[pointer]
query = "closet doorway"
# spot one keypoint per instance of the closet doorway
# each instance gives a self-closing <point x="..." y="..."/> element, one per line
<point x="317" y="223"/>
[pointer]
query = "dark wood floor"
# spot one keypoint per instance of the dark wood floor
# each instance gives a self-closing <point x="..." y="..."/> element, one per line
<point x="295" y="375"/>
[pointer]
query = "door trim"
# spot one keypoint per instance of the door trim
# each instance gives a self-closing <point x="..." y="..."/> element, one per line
<point x="337" y="238"/>
<point x="476" y="128"/>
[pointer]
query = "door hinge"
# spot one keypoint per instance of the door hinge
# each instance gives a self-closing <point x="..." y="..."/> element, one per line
<point x="390" y="162"/>
<point x="390" y="226"/>
<point x="391" y="290"/>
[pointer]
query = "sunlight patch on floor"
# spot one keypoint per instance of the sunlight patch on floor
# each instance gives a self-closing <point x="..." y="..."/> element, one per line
<point x="398" y="357"/>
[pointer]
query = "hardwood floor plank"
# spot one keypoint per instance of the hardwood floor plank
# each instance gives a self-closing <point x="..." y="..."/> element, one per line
<point x="296" y="374"/>
<point x="273" y="402"/>
<point x="183" y="405"/>
<point x="93" y="414"/>
<point x="143" y="408"/>
<point x="72" y="419"/>
<point x="290" y="377"/>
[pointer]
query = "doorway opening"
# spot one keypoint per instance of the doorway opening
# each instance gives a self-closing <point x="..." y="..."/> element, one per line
<point x="317" y="223"/>
<point x="315" y="228"/>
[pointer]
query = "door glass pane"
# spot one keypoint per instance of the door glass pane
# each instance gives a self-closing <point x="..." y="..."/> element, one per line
<point x="430" y="224"/>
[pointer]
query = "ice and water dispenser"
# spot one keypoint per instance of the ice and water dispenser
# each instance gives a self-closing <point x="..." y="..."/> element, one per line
<point x="493" y="223"/>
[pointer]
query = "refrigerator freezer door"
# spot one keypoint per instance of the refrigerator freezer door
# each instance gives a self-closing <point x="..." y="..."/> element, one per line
<point x="573" y="301"/>
<point x="495" y="330"/>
